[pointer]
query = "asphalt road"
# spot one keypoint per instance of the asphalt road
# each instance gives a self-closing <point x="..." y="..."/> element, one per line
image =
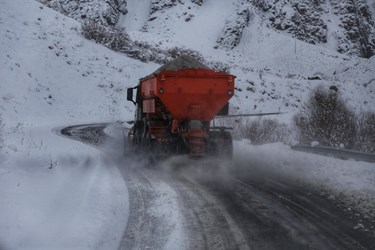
<point x="222" y="206"/>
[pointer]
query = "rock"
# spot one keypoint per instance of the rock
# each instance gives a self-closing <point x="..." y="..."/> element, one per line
<point x="199" y="2"/>
<point x="105" y="12"/>
<point x="158" y="5"/>
<point x="231" y="34"/>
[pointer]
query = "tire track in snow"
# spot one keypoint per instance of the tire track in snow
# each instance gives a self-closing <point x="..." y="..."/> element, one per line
<point x="208" y="222"/>
<point x="241" y="212"/>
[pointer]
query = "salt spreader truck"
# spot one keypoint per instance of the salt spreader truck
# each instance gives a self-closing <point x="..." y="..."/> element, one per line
<point x="175" y="108"/>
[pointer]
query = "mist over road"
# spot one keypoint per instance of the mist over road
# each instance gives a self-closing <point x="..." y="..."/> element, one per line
<point x="180" y="203"/>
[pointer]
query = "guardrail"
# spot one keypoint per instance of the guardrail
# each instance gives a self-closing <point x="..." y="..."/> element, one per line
<point x="336" y="152"/>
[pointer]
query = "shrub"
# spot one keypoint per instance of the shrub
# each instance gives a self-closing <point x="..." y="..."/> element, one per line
<point x="266" y="131"/>
<point x="366" y="133"/>
<point x="231" y="123"/>
<point x="118" y="40"/>
<point x="258" y="131"/>
<point x="326" y="119"/>
<point x="94" y="31"/>
<point x="112" y="37"/>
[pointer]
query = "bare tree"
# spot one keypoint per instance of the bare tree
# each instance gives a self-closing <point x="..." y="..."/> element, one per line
<point x="266" y="131"/>
<point x="326" y="119"/>
<point x="112" y="37"/>
<point x="366" y="133"/>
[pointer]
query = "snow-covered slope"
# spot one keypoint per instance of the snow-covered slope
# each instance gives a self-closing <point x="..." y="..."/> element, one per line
<point x="50" y="73"/>
<point x="105" y="12"/>
<point x="346" y="26"/>
<point x="61" y="73"/>
<point x="273" y="69"/>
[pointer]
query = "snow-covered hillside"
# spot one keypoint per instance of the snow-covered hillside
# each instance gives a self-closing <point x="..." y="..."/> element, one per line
<point x="274" y="70"/>
<point x="346" y="26"/>
<point x="105" y="12"/>
<point x="47" y="65"/>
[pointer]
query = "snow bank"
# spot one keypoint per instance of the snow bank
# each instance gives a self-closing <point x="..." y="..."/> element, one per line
<point x="59" y="194"/>
<point x="56" y="193"/>
<point x="347" y="180"/>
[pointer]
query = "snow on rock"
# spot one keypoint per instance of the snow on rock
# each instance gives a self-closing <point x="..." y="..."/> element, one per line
<point x="358" y="36"/>
<point x="105" y="12"/>
<point x="199" y="2"/>
<point x="346" y="26"/>
<point x="160" y="5"/>
<point x="231" y="35"/>
<point x="348" y="23"/>
<point x="137" y="15"/>
<point x="274" y="71"/>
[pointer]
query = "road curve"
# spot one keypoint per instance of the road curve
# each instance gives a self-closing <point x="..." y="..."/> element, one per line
<point x="228" y="209"/>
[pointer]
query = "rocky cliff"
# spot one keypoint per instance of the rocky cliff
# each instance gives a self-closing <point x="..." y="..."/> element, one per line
<point x="343" y="25"/>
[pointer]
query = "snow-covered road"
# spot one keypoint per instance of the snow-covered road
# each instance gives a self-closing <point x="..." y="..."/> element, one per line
<point x="56" y="193"/>
<point x="184" y="204"/>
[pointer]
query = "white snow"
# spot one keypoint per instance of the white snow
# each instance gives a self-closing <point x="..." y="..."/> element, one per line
<point x="46" y="63"/>
<point x="166" y="206"/>
<point x="351" y="181"/>
<point x="278" y="65"/>
<point x="57" y="194"/>
<point x="138" y="12"/>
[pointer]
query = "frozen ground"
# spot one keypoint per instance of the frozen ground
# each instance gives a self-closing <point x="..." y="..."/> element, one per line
<point x="57" y="193"/>
<point x="348" y="182"/>
<point x="185" y="204"/>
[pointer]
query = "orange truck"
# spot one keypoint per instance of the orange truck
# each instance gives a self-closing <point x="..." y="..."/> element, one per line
<point x="175" y="107"/>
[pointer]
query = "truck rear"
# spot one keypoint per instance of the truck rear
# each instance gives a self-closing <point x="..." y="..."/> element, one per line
<point x="175" y="107"/>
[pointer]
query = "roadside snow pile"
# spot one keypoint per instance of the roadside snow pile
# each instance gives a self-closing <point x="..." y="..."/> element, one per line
<point x="59" y="194"/>
<point x="56" y="193"/>
<point x="351" y="182"/>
